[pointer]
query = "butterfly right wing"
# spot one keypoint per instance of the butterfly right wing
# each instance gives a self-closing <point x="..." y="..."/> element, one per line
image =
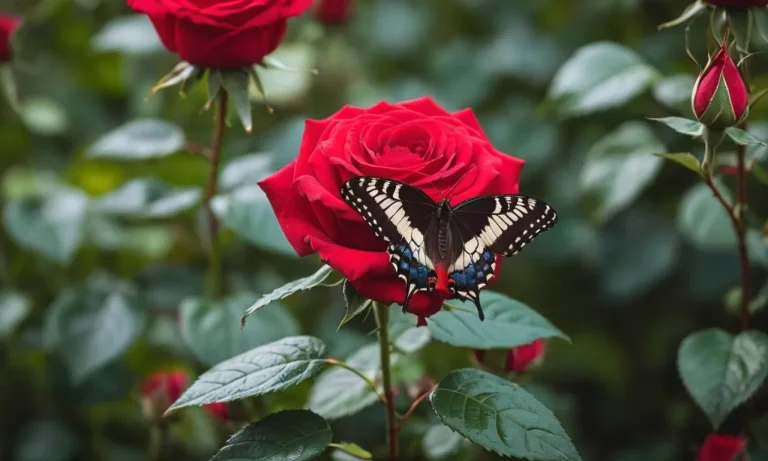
<point x="401" y="215"/>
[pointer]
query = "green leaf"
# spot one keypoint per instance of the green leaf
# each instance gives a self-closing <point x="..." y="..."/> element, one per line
<point x="600" y="76"/>
<point x="46" y="440"/>
<point x="52" y="227"/>
<point x="338" y="392"/>
<point x="245" y="170"/>
<point x="236" y="83"/>
<point x="288" y="289"/>
<point x="287" y="74"/>
<point x="8" y="87"/>
<point x="247" y="212"/>
<point x="682" y="125"/>
<point x="353" y="449"/>
<point x="92" y="326"/>
<point x="212" y="330"/>
<point x="703" y="221"/>
<point x="721" y="371"/>
<point x="149" y="198"/>
<point x="404" y="334"/>
<point x="295" y="435"/>
<point x="139" y="140"/>
<point x="132" y="34"/>
<point x="500" y="416"/>
<point x="14" y="308"/>
<point x="508" y="323"/>
<point x="675" y="91"/>
<point x="440" y="442"/>
<point x="356" y="304"/>
<point x="742" y="137"/>
<point x="620" y="166"/>
<point x="269" y="368"/>
<point x="685" y="159"/>
<point x="740" y="25"/>
<point x="761" y="21"/>
<point x="692" y="10"/>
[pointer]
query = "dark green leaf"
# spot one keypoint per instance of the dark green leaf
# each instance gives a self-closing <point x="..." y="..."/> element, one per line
<point x="508" y="323"/>
<point x="740" y="25"/>
<point x="685" y="159"/>
<point x="721" y="371"/>
<point x="236" y="83"/>
<point x="52" y="227"/>
<point x="212" y="330"/>
<point x="404" y="334"/>
<point x="761" y="21"/>
<point x="600" y="76"/>
<point x="620" y="166"/>
<point x="248" y="213"/>
<point x="440" y="442"/>
<point x="682" y="125"/>
<point x="356" y="304"/>
<point x="288" y="289"/>
<point x="46" y="441"/>
<point x="14" y="308"/>
<point x="742" y="137"/>
<point x="138" y="140"/>
<point x="703" y="221"/>
<point x="269" y="368"/>
<point x="295" y="435"/>
<point x="500" y="416"/>
<point x="91" y="326"/>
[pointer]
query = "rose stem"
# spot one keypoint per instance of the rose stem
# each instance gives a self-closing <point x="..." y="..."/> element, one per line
<point x="214" y="264"/>
<point x="382" y="322"/>
<point x="741" y="232"/>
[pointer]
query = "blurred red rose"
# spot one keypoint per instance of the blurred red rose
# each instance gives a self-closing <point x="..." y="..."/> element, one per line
<point x="220" y="33"/>
<point x="8" y="24"/>
<point x="160" y="390"/>
<point x="333" y="11"/>
<point x="519" y="358"/>
<point x="720" y="97"/>
<point x="415" y="142"/>
<point x="218" y="410"/>
<point x="738" y="3"/>
<point x="719" y="447"/>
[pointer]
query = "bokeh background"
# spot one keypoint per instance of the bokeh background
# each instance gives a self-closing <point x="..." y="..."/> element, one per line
<point x="99" y="213"/>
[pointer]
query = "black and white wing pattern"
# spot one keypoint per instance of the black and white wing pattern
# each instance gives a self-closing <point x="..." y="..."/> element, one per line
<point x="487" y="226"/>
<point x="401" y="215"/>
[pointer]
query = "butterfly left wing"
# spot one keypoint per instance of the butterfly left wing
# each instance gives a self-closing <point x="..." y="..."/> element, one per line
<point x="402" y="216"/>
<point x="491" y="225"/>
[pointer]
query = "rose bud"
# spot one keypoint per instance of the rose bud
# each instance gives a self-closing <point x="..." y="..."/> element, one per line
<point x="720" y="97"/>
<point x="222" y="33"/>
<point x="218" y="410"/>
<point x="718" y="447"/>
<point x="517" y="359"/>
<point x="737" y="3"/>
<point x="333" y="12"/>
<point x="160" y="390"/>
<point x="416" y="143"/>
<point x="8" y="25"/>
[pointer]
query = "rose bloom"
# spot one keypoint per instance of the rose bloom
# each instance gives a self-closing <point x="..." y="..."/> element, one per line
<point x="415" y="142"/>
<point x="333" y="11"/>
<point x="718" y="447"/>
<point x="8" y="25"/>
<point x="720" y="97"/>
<point x="519" y="358"/>
<point x="738" y="3"/>
<point x="220" y="33"/>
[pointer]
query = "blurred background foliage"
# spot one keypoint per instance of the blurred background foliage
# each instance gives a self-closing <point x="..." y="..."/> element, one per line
<point x="101" y="253"/>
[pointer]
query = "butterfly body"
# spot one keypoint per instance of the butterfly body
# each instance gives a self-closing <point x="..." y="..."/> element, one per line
<point x="436" y="246"/>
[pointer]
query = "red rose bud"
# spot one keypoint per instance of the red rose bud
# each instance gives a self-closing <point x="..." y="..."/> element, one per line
<point x="737" y="3"/>
<point x="720" y="97"/>
<point x="222" y="33"/>
<point x="519" y="358"/>
<point x="160" y="390"/>
<point x="8" y="25"/>
<point x="333" y="12"/>
<point x="218" y="410"/>
<point x="719" y="447"/>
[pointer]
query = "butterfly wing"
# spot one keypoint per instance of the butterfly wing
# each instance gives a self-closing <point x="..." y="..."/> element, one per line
<point x="491" y="225"/>
<point x="403" y="216"/>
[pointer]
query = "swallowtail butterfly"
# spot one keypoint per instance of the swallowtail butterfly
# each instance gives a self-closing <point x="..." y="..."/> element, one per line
<point x="438" y="246"/>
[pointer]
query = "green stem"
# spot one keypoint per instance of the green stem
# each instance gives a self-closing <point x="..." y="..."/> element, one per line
<point x="214" y="264"/>
<point x="157" y="437"/>
<point x="712" y="139"/>
<point x="362" y="376"/>
<point x="382" y="322"/>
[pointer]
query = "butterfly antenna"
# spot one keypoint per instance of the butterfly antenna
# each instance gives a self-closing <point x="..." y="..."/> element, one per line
<point x="460" y="179"/>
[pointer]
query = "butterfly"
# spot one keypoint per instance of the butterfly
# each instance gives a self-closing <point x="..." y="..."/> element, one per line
<point x="434" y="245"/>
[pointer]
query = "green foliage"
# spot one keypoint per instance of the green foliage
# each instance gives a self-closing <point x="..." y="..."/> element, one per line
<point x="500" y="416"/>
<point x="721" y="370"/>
<point x="139" y="139"/>
<point x="297" y="435"/>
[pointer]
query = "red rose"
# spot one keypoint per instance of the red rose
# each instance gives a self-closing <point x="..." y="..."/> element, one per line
<point x="720" y="97"/>
<point x="738" y="3"/>
<point x="160" y="390"/>
<point x="719" y="447"/>
<point x="333" y="11"/>
<point x="8" y="24"/>
<point x="220" y="33"/>
<point x="415" y="142"/>
<point x="519" y="358"/>
<point x="218" y="410"/>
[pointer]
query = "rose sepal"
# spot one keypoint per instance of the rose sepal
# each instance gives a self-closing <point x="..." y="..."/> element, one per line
<point x="690" y="11"/>
<point x="182" y="73"/>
